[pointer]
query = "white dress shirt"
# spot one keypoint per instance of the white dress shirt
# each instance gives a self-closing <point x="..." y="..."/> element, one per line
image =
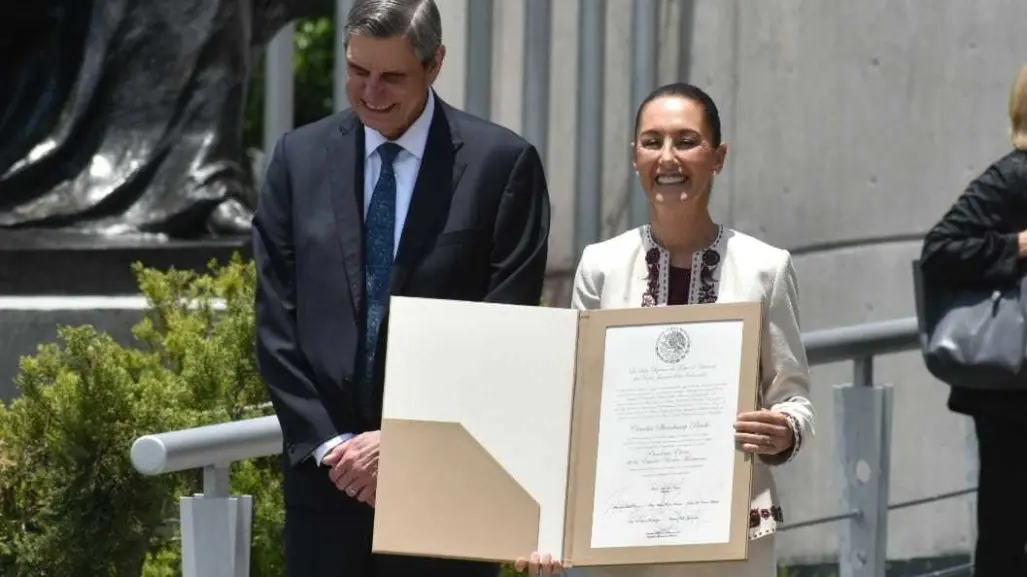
<point x="406" y="166"/>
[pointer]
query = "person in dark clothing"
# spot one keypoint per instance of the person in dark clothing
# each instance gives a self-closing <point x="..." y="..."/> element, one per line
<point x="983" y="239"/>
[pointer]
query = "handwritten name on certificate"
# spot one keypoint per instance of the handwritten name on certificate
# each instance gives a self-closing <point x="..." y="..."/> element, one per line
<point x="666" y="449"/>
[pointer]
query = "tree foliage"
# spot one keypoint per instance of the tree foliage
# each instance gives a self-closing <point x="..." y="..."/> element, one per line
<point x="313" y="69"/>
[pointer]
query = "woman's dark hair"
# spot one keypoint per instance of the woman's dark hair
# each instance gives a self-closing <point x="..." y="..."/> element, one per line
<point x="680" y="89"/>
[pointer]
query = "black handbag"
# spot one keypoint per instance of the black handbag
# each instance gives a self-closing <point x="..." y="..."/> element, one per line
<point x="973" y="337"/>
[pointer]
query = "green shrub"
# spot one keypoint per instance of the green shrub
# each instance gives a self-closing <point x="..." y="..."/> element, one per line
<point x="70" y="501"/>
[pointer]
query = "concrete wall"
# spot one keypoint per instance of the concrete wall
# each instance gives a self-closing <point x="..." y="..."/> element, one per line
<point x="852" y="125"/>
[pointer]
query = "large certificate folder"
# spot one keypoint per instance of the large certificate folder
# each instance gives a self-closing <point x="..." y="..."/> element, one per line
<point x="603" y="437"/>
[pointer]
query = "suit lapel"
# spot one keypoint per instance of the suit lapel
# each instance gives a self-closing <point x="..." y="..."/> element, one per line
<point x="346" y="190"/>
<point x="441" y="169"/>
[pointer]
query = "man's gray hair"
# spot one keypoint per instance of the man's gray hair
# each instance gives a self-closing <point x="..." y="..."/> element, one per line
<point x="417" y="20"/>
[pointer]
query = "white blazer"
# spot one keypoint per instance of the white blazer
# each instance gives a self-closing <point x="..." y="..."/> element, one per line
<point x="735" y="267"/>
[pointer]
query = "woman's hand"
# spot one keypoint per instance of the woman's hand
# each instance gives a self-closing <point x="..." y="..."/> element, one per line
<point x="766" y="432"/>
<point x="538" y="564"/>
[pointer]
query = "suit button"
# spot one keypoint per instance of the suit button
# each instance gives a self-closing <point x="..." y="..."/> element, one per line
<point x="346" y="381"/>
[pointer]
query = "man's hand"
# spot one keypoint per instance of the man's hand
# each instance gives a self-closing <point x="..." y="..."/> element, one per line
<point x="355" y="466"/>
<point x="1022" y="242"/>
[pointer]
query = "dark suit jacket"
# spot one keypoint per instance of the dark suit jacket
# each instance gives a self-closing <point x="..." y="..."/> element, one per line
<point x="477" y="230"/>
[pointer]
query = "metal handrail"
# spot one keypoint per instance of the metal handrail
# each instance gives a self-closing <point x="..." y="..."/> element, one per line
<point x="861" y="341"/>
<point x="813" y="522"/>
<point x="963" y="569"/>
<point x="200" y="447"/>
<point x="251" y="438"/>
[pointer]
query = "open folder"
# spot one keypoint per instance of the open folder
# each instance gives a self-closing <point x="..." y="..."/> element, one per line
<point x="603" y="437"/>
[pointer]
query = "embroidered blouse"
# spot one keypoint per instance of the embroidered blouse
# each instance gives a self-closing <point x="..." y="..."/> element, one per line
<point x="688" y="288"/>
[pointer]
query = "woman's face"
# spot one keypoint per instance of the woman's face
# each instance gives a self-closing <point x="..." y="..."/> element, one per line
<point x="675" y="156"/>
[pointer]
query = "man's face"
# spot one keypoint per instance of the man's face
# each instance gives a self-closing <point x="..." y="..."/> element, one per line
<point x="386" y="84"/>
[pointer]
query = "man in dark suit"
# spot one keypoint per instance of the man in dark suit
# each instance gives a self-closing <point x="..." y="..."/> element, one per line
<point x="400" y="195"/>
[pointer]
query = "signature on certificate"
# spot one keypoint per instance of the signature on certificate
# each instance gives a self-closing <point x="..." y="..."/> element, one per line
<point x="662" y="511"/>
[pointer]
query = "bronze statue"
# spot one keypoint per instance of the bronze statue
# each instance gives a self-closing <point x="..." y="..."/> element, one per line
<point x="125" y="116"/>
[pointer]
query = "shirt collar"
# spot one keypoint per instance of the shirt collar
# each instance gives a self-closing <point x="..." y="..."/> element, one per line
<point x="413" y="140"/>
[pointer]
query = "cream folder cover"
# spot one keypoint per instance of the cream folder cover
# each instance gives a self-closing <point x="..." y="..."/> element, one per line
<point x="490" y="452"/>
<point x="491" y="431"/>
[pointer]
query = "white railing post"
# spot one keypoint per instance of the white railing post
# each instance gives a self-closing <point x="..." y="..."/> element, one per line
<point x="478" y="86"/>
<point x="538" y="42"/>
<point x="645" y="18"/>
<point x="216" y="528"/>
<point x="339" y="99"/>
<point x="279" y="90"/>
<point x="863" y="420"/>
<point x="973" y="469"/>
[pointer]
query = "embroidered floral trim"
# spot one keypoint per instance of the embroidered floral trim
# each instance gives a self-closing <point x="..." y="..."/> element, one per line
<point x="758" y="516"/>
<point x="703" y="288"/>
<point x="657" y="285"/>
<point x="796" y="435"/>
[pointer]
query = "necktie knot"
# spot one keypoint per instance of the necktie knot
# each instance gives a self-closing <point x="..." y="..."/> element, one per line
<point x="388" y="152"/>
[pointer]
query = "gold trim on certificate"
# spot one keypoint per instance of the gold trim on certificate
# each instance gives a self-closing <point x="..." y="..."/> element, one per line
<point x="654" y="473"/>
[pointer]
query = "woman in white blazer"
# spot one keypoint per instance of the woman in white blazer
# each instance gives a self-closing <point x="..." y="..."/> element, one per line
<point x="683" y="257"/>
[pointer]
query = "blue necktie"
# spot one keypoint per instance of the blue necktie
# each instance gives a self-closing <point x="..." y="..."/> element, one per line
<point x="379" y="243"/>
